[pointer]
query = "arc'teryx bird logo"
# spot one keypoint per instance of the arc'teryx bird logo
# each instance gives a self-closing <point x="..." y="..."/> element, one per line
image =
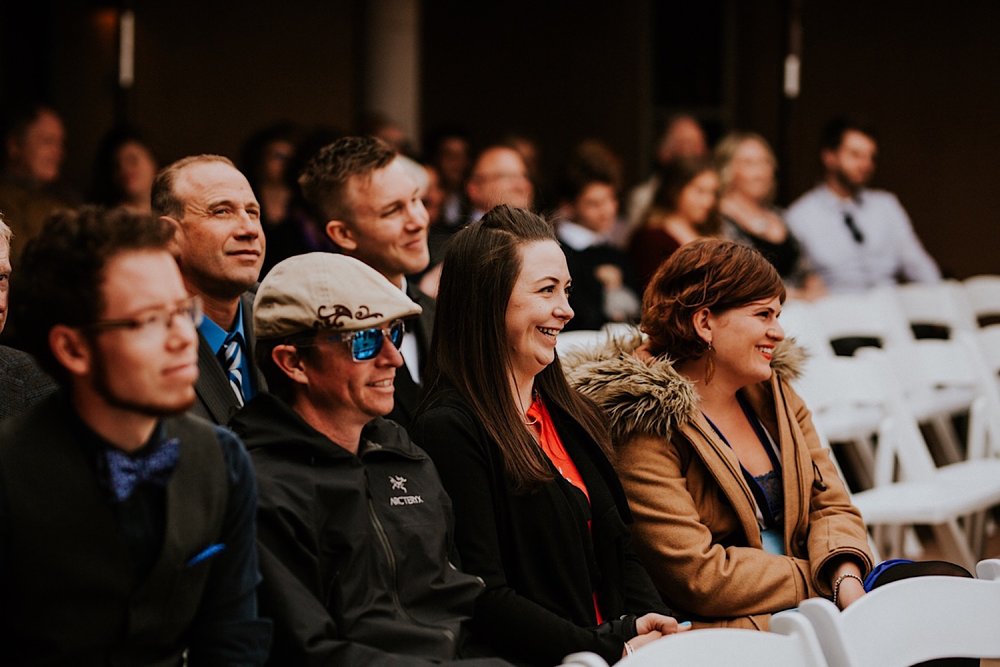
<point x="398" y="483"/>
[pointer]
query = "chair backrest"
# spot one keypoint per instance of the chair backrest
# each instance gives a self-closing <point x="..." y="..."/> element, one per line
<point x="942" y="304"/>
<point x="874" y="314"/>
<point x="983" y="348"/>
<point x="791" y="642"/>
<point x="988" y="340"/>
<point x="568" y="341"/>
<point x="847" y="397"/>
<point x="798" y="321"/>
<point x="901" y="441"/>
<point x="910" y="621"/>
<point x="620" y="329"/>
<point x="983" y="295"/>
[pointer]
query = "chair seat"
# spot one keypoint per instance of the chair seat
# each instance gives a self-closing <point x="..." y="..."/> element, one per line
<point x="954" y="490"/>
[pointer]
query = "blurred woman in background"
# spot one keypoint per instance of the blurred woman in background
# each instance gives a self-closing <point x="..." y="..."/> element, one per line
<point x="124" y="171"/>
<point x="683" y="209"/>
<point x="747" y="168"/>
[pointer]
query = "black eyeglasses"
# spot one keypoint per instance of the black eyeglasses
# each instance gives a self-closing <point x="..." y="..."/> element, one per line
<point x="155" y="322"/>
<point x="367" y="343"/>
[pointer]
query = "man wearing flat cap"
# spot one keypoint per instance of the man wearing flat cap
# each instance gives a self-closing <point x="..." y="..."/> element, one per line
<point x="354" y="527"/>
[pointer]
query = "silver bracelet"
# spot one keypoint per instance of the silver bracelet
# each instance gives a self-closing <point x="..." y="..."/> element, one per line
<point x="840" y="580"/>
<point x="628" y="649"/>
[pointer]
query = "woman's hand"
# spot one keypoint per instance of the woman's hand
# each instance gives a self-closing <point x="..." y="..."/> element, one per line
<point x="652" y="627"/>
<point x="850" y="590"/>
<point x="851" y="584"/>
<point x="665" y="625"/>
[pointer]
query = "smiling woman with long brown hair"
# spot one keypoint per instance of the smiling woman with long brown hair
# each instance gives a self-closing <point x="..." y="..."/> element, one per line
<point x="539" y="513"/>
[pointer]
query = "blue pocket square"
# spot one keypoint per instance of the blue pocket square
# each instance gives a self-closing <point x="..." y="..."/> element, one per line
<point x="205" y="554"/>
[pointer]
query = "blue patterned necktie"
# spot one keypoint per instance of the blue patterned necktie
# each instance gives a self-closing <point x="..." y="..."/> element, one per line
<point x="125" y="472"/>
<point x="231" y="355"/>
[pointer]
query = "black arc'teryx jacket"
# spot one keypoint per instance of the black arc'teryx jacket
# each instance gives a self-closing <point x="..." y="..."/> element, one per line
<point x="354" y="550"/>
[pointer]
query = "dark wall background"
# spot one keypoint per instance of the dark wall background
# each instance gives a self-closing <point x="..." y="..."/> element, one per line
<point x="208" y="75"/>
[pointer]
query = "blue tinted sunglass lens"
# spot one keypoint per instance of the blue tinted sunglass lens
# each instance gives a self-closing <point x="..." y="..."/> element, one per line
<point x="367" y="344"/>
<point x="396" y="334"/>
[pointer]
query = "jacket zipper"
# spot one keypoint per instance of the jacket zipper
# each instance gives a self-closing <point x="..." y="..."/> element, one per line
<point x="383" y="539"/>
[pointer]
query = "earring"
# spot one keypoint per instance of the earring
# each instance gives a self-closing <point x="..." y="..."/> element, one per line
<point x="709" y="363"/>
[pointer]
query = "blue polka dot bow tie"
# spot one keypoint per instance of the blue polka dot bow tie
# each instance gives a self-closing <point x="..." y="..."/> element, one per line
<point x="125" y="472"/>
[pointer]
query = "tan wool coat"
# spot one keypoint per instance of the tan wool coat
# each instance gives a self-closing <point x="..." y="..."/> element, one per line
<point x="696" y="527"/>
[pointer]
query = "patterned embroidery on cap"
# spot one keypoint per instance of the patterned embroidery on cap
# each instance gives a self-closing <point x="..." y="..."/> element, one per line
<point x="330" y="317"/>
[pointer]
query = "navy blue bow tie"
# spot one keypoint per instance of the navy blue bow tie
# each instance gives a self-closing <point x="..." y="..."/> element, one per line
<point x="125" y="473"/>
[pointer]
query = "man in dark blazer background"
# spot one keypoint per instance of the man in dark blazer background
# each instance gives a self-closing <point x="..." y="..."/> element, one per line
<point x="219" y="246"/>
<point x="22" y="382"/>
<point x="369" y="196"/>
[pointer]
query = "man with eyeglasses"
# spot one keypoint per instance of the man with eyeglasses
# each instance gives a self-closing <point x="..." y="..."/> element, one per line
<point x="370" y="203"/>
<point x="126" y="527"/>
<point x="219" y="247"/>
<point x="354" y="527"/>
<point x="854" y="237"/>
<point x="499" y="176"/>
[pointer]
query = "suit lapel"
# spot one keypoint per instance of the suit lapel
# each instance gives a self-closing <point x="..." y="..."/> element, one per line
<point x="212" y="387"/>
<point x="424" y="326"/>
<point x="259" y="384"/>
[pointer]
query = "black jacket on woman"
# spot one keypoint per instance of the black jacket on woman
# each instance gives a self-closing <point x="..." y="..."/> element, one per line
<point x="540" y="562"/>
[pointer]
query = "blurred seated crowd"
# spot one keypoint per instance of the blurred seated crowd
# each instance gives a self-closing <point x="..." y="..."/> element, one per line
<point x="305" y="407"/>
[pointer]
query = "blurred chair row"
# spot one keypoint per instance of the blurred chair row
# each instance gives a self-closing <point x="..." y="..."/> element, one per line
<point x="876" y="399"/>
<point x="898" y="624"/>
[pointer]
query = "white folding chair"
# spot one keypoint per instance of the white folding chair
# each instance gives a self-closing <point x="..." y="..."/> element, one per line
<point x="620" y="329"/>
<point x="879" y="315"/>
<point x="790" y="643"/>
<point x="570" y="341"/>
<point x="939" y="381"/>
<point x="911" y="621"/>
<point x="983" y="348"/>
<point x="922" y="493"/>
<point x="874" y="314"/>
<point x="988" y="344"/>
<point x="983" y="295"/>
<point x="941" y="304"/>
<point x="849" y="405"/>
<point x="798" y="321"/>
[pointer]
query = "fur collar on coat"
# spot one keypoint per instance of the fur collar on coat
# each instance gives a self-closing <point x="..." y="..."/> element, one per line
<point x="648" y="398"/>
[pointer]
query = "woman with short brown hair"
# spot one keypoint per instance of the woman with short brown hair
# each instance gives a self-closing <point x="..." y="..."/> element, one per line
<point x="739" y="512"/>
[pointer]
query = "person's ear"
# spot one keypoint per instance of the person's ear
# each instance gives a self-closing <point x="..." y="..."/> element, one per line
<point x="71" y="349"/>
<point x="341" y="235"/>
<point x="702" y="321"/>
<point x="289" y="361"/>
<point x="174" y="246"/>
<point x="829" y="159"/>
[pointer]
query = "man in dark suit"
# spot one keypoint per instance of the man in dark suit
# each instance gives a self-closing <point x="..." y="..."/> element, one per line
<point x="369" y="197"/>
<point x="22" y="382"/>
<point x="127" y="531"/>
<point x="219" y="246"/>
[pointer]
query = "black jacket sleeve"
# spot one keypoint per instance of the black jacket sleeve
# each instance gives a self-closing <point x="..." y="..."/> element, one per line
<point x="226" y="630"/>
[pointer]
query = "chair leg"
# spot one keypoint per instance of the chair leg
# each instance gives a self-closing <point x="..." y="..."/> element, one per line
<point x="947" y="439"/>
<point x="954" y="544"/>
